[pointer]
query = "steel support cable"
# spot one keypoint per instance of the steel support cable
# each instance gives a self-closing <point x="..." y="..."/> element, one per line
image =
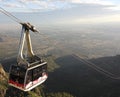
<point x="99" y="69"/>
<point x="10" y="15"/>
<point x="48" y="39"/>
<point x="16" y="19"/>
<point x="90" y="64"/>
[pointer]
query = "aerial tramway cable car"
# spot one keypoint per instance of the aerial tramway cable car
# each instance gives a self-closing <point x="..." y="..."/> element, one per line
<point x="29" y="71"/>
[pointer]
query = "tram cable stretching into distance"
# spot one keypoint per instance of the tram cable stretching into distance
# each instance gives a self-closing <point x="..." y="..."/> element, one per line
<point x="97" y="68"/>
<point x="10" y="15"/>
<point x="88" y="63"/>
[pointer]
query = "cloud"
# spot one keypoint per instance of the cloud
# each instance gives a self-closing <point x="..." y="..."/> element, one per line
<point x="69" y="3"/>
<point x="99" y="19"/>
<point x="110" y="4"/>
<point x="12" y="5"/>
<point x="45" y="5"/>
<point x="101" y="2"/>
<point x="91" y="20"/>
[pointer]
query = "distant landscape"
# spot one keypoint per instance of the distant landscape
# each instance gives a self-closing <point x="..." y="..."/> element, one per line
<point x="98" y="44"/>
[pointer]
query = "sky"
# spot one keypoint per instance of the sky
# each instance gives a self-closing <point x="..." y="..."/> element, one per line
<point x="45" y="5"/>
<point x="63" y="12"/>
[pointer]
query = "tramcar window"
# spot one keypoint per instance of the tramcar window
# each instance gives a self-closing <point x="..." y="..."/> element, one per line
<point x="14" y="70"/>
<point x="44" y="67"/>
<point x="22" y="72"/>
<point x="36" y="73"/>
<point x="21" y="75"/>
<point x="17" y="74"/>
<point x="29" y="76"/>
<point x="40" y="69"/>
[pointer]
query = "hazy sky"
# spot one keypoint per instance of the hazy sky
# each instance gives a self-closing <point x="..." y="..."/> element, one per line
<point x="63" y="11"/>
<point x="45" y="5"/>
